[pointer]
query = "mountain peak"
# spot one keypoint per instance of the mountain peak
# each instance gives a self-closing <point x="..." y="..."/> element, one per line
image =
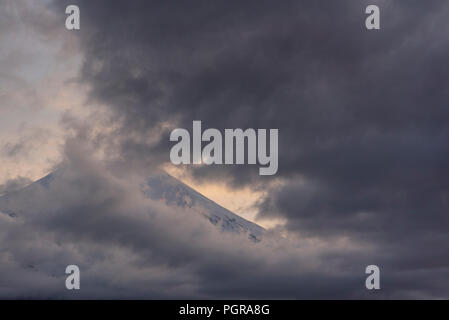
<point x="159" y="186"/>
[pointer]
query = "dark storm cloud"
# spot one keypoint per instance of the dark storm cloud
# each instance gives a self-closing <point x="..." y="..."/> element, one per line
<point x="308" y="68"/>
<point x="362" y="116"/>
<point x="129" y="246"/>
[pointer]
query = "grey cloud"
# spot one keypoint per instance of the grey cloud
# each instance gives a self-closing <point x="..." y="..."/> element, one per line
<point x="94" y="214"/>
<point x="14" y="184"/>
<point x="362" y="117"/>
<point x="29" y="140"/>
<point x="315" y="74"/>
<point x="129" y="246"/>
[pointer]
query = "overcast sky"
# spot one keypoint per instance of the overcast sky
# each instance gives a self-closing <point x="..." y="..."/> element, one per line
<point x="363" y="125"/>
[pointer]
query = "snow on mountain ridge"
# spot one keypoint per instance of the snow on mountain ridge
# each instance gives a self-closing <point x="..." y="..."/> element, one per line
<point x="174" y="192"/>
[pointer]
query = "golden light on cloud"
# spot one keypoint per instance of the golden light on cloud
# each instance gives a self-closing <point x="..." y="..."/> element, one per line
<point x="241" y="201"/>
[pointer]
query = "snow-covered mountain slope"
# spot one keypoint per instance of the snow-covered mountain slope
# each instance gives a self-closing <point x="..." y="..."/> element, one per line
<point x="174" y="192"/>
<point x="159" y="186"/>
